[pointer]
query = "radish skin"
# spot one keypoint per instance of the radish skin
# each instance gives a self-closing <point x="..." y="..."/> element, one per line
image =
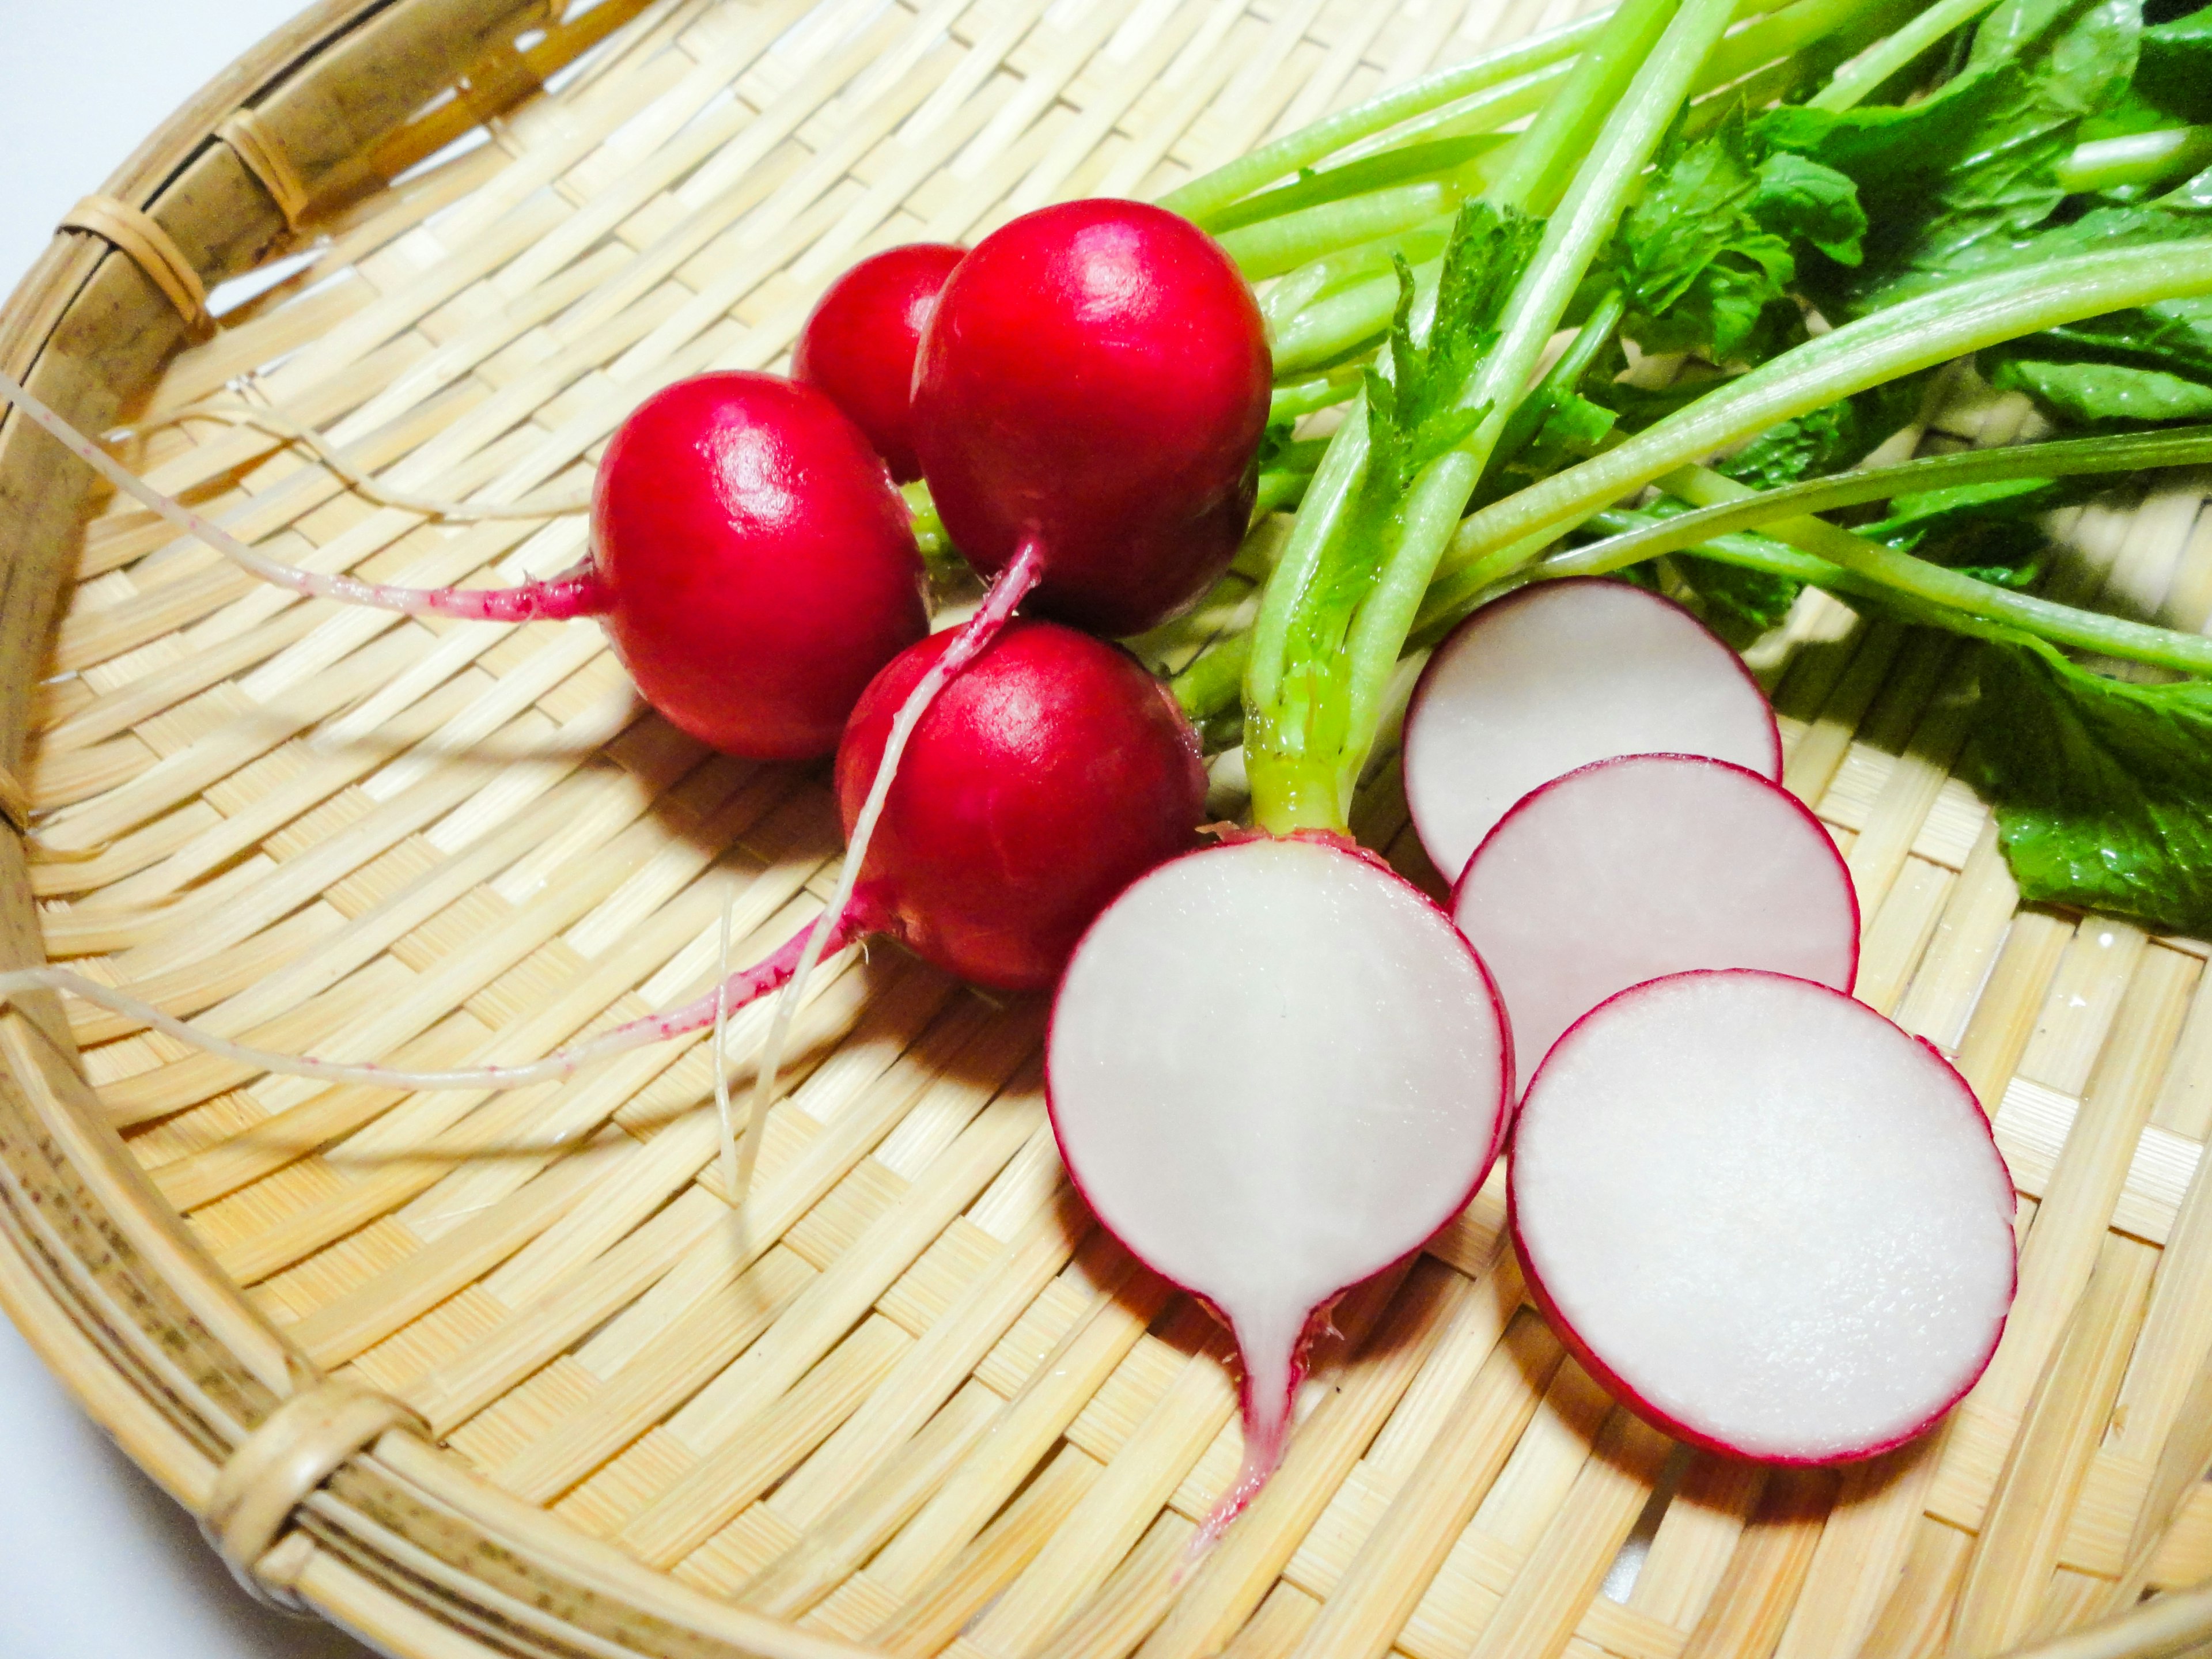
<point x="1629" y="869"/>
<point x="1771" y="1223"/>
<point x="1274" y="1069"/>
<point x="1557" y="675"/>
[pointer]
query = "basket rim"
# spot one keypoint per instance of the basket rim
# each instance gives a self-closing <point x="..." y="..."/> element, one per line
<point x="401" y="1544"/>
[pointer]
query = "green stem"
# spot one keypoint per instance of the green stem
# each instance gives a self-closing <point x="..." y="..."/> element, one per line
<point x="2138" y="158"/>
<point x="1637" y="118"/>
<point x="1915" y="334"/>
<point x="1551" y="152"/>
<point x="1857" y="80"/>
<point x="1210" y="683"/>
<point x="1561" y="381"/>
<point x="1406" y="164"/>
<point x="1206" y="195"/>
<point x="1272" y="246"/>
<point x="1927" y="593"/>
<point x="1739" y="508"/>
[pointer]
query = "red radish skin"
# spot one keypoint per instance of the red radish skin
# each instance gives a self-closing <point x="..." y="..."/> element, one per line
<point x="1896" y="1117"/>
<point x="858" y="345"/>
<point x="1629" y="869"/>
<point x="758" y="566"/>
<point x="1094" y="382"/>
<point x="751" y="561"/>
<point x="1039" y="785"/>
<point x="1557" y="675"/>
<point x="1274" y="1069"/>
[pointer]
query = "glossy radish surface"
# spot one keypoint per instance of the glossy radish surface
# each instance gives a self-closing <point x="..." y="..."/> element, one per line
<point x="858" y="345"/>
<point x="1094" y="381"/>
<point x="1764" y="1217"/>
<point x="1041" y="782"/>
<point x="1647" y="865"/>
<point x="758" y="566"/>
<point x="1558" y="675"/>
<point x="1274" y="1069"/>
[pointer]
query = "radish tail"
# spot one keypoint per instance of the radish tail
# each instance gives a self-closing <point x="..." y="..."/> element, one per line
<point x="267" y="418"/>
<point x="721" y="1055"/>
<point x="734" y="991"/>
<point x="974" y="637"/>
<point x="1269" y="1345"/>
<point x="577" y="594"/>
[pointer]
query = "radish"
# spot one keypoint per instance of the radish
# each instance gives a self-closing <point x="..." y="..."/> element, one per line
<point x="1088" y="405"/>
<point x="1557" y="675"/>
<point x="859" y="342"/>
<point x="1646" y="865"/>
<point x="1274" y="1069"/>
<point x="1056" y="772"/>
<point x="751" y="560"/>
<point x="1763" y="1217"/>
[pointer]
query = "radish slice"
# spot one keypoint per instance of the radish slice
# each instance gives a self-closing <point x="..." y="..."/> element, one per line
<point x="1274" y="1068"/>
<point x="1765" y="1218"/>
<point x="1650" y="865"/>
<point x="1557" y="676"/>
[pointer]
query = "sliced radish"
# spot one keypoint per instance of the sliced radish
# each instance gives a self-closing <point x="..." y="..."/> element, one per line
<point x="1555" y="676"/>
<point x="1274" y="1068"/>
<point x="1765" y="1218"/>
<point x="1649" y="865"/>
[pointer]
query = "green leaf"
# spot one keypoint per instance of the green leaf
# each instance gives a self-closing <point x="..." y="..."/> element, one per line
<point x="1737" y="603"/>
<point x="1972" y="168"/>
<point x="1825" y="439"/>
<point x="1706" y="258"/>
<point x="2094" y="394"/>
<point x="1992" y="532"/>
<point x="2103" y="788"/>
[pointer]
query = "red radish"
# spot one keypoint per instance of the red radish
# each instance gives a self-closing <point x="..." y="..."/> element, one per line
<point x="1557" y="675"/>
<point x="1274" y="1068"/>
<point x="1647" y="865"/>
<point x="1052" y="775"/>
<point x="752" y="561"/>
<point x="1092" y="389"/>
<point x="858" y="346"/>
<point x="1762" y="1216"/>
<point x="1040" y="784"/>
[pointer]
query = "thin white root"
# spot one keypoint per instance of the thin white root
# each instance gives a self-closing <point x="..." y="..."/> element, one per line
<point x="274" y="422"/>
<point x="975" y="635"/>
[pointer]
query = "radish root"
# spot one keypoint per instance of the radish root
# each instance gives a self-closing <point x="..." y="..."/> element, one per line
<point x="578" y="593"/>
<point x="975" y="638"/>
<point x="276" y="422"/>
<point x="731" y="990"/>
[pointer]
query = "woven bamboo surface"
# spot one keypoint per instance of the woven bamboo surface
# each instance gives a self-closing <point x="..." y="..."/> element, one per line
<point x="930" y="1408"/>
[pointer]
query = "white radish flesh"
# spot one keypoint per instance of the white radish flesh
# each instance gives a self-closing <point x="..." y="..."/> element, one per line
<point x="1555" y="676"/>
<point x="1274" y="1068"/>
<point x="1767" y="1218"/>
<point x="1649" y="865"/>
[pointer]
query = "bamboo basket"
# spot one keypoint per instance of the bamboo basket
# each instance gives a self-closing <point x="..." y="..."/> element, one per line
<point x="477" y="1375"/>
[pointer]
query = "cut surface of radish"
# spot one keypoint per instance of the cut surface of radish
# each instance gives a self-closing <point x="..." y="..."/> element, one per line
<point x="1274" y="1068"/>
<point x="1555" y="676"/>
<point x="1764" y="1216"/>
<point x="1648" y="864"/>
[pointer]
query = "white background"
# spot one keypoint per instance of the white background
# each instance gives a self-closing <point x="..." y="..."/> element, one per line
<point x="95" y="1562"/>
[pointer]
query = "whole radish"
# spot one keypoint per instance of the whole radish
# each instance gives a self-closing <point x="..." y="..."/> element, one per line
<point x="751" y="560"/>
<point x="1090" y="397"/>
<point x="757" y="567"/>
<point x="858" y="345"/>
<point x="1040" y="784"/>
